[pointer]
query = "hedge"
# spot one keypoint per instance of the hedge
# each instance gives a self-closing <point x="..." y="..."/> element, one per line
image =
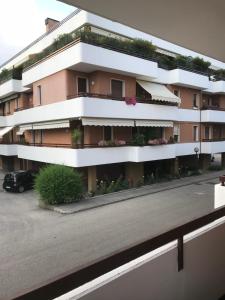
<point x="58" y="184"/>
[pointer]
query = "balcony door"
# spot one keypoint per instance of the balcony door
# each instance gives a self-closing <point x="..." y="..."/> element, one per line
<point x="82" y="85"/>
<point x="117" y="87"/>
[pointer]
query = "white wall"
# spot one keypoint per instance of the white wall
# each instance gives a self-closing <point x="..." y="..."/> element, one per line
<point x="99" y="108"/>
<point x="155" y="276"/>
<point x="96" y="156"/>
<point x="212" y="147"/>
<point x="11" y="86"/>
<point x="89" y="58"/>
<point x="215" y="116"/>
<point x="8" y="150"/>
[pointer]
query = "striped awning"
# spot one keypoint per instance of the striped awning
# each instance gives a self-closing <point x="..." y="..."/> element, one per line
<point x="149" y="123"/>
<point x="44" y="125"/>
<point x="159" y="91"/>
<point x="5" y="130"/>
<point x="107" y="122"/>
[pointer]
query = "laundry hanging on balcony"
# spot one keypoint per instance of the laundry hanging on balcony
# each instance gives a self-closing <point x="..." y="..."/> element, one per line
<point x="5" y="130"/>
<point x="159" y="92"/>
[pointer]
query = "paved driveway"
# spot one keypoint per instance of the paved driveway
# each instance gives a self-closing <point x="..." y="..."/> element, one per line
<point x="36" y="245"/>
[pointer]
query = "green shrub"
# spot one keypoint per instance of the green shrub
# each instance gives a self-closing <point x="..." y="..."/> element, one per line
<point x="215" y="168"/>
<point x="58" y="184"/>
<point x="76" y="136"/>
<point x="219" y="74"/>
<point x="199" y="64"/>
<point x="139" y="140"/>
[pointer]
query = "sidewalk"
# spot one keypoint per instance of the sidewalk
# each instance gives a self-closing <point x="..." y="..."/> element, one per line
<point x="107" y="199"/>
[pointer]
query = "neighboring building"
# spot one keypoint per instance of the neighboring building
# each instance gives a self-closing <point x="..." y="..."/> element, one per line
<point x="114" y="98"/>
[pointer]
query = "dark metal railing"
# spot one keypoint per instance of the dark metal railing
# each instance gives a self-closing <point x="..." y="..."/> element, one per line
<point x="212" y="107"/>
<point x="111" y="97"/>
<point x="214" y="140"/>
<point x="87" y="272"/>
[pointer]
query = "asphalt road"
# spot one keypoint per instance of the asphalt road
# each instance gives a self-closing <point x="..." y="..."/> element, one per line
<point x="36" y="245"/>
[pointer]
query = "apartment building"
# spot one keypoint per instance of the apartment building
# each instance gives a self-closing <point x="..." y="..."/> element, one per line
<point x="106" y="110"/>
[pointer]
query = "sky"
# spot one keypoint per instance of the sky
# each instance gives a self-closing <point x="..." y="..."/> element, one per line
<point x="22" y="21"/>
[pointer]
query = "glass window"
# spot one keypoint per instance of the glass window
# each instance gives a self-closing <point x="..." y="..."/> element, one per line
<point x="195" y="100"/>
<point x="117" y="88"/>
<point x="107" y="133"/>
<point x="195" y="133"/>
<point x="82" y="85"/>
<point x="39" y="94"/>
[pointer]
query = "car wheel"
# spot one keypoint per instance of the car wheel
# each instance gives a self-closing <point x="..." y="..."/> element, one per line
<point x="21" y="189"/>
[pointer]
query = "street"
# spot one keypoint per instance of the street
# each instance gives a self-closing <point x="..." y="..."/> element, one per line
<point x="36" y="245"/>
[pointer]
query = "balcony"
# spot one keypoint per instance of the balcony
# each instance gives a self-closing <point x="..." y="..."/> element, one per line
<point x="95" y="156"/>
<point x="213" y="146"/>
<point x="8" y="149"/>
<point x="10" y="87"/>
<point x="90" y="107"/>
<point x="183" y="149"/>
<point x="217" y="87"/>
<point x="213" y="114"/>
<point x="88" y="58"/>
<point x="188" y="78"/>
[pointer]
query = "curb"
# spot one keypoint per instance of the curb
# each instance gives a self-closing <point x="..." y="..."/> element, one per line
<point x="141" y="194"/>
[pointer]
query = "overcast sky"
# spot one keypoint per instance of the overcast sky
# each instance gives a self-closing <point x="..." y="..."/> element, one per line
<point x="22" y="21"/>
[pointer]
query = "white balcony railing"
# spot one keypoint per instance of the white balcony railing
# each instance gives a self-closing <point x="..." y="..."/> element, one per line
<point x="213" y="147"/>
<point x="96" y="156"/>
<point x="8" y="149"/>
<point x="215" y="116"/>
<point x="10" y="87"/>
<point x="90" y="58"/>
<point x="99" y="108"/>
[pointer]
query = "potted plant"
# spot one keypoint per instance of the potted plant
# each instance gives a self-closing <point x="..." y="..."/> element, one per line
<point x="76" y="137"/>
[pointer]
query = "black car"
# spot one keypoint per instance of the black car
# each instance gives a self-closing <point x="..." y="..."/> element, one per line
<point x="18" y="181"/>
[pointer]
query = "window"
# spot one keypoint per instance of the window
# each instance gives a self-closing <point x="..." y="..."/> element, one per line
<point x="17" y="103"/>
<point x="195" y="133"/>
<point x="107" y="133"/>
<point x="39" y="94"/>
<point x="117" y="88"/>
<point x="82" y="85"/>
<point x="195" y="100"/>
<point x="176" y="133"/>
<point x="207" y="133"/>
<point x="176" y="93"/>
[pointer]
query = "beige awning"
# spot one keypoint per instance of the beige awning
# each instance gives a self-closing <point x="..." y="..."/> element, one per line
<point x="52" y="125"/>
<point x="149" y="123"/>
<point x="24" y="128"/>
<point x="44" y="125"/>
<point x="159" y="91"/>
<point x="107" y="122"/>
<point x="4" y="130"/>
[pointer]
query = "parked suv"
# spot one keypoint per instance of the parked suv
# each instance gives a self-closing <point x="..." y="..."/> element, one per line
<point x="18" y="181"/>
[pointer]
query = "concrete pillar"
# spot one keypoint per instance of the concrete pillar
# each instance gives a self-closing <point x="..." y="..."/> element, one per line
<point x="92" y="179"/>
<point x="204" y="161"/>
<point x="174" y="168"/>
<point x="223" y="160"/>
<point x="134" y="173"/>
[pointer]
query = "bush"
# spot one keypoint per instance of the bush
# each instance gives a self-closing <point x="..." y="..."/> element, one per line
<point x="215" y="168"/>
<point x="139" y="140"/>
<point x="58" y="184"/>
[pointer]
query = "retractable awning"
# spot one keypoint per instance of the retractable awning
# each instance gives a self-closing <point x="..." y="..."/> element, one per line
<point x="149" y="123"/>
<point x="4" y="130"/>
<point x="52" y="125"/>
<point x="107" y="122"/>
<point x="24" y="128"/>
<point x="159" y="91"/>
<point x="44" y="125"/>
